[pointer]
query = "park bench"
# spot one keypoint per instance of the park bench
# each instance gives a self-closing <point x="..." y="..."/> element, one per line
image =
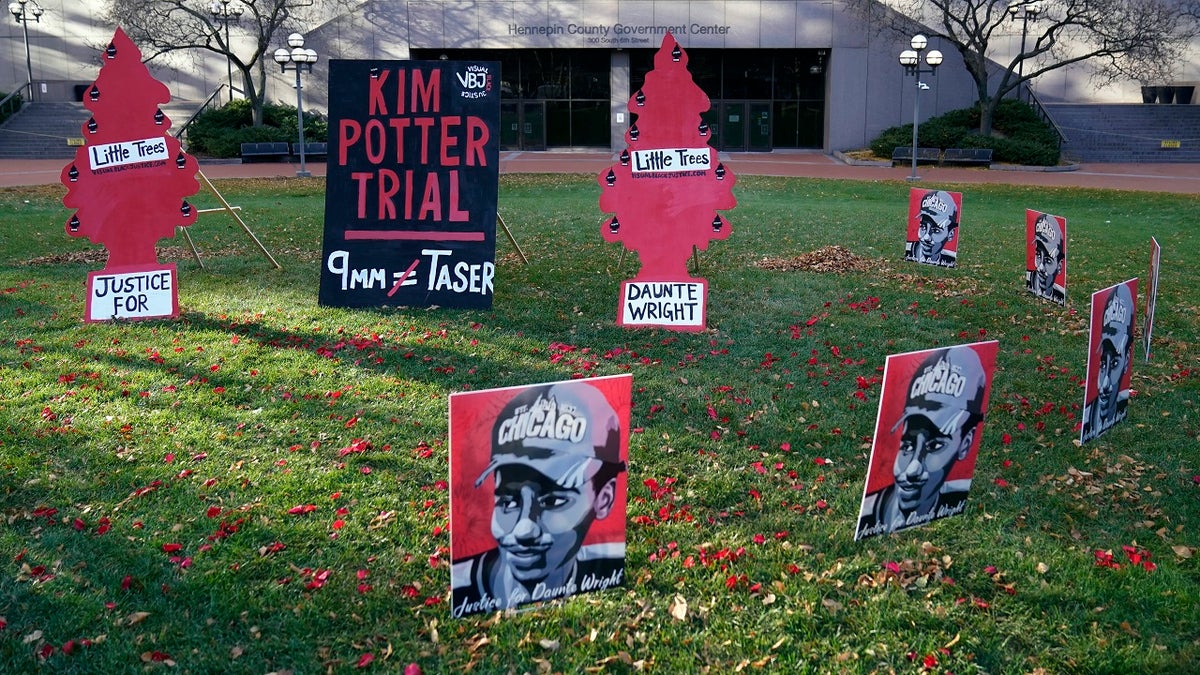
<point x="311" y="149"/>
<point x="264" y="151"/>
<point x="967" y="157"/>
<point x="904" y="155"/>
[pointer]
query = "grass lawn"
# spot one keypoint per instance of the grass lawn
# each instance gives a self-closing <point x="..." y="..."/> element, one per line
<point x="188" y="495"/>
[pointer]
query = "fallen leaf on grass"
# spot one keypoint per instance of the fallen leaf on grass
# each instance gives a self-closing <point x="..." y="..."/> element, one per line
<point x="832" y="605"/>
<point x="678" y="608"/>
<point x="157" y="657"/>
<point x="1183" y="551"/>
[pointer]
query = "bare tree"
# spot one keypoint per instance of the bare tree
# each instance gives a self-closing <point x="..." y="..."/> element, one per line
<point x="1140" y="39"/>
<point x="164" y="27"/>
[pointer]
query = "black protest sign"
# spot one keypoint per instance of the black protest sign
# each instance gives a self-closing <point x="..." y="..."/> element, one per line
<point x="411" y="185"/>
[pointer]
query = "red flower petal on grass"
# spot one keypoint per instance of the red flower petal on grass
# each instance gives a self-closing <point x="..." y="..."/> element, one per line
<point x="213" y="511"/>
<point x="365" y="660"/>
<point x="172" y="548"/>
<point x="302" y="509"/>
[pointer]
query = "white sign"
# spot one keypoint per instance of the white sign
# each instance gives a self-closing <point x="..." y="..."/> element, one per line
<point x="670" y="160"/>
<point x="127" y="152"/>
<point x="132" y="295"/>
<point x="662" y="303"/>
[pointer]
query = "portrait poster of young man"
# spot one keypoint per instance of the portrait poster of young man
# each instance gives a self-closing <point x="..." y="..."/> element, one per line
<point x="1110" y="366"/>
<point x="933" y="219"/>
<point x="927" y="435"/>
<point x="537" y="492"/>
<point x="1046" y="256"/>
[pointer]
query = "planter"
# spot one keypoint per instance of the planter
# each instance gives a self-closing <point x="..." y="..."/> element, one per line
<point x="1166" y="94"/>
<point x="1183" y="95"/>
<point x="1149" y="94"/>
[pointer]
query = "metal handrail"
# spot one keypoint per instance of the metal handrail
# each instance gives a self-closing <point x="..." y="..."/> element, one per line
<point x="1045" y="117"/>
<point x="16" y="94"/>
<point x="182" y="131"/>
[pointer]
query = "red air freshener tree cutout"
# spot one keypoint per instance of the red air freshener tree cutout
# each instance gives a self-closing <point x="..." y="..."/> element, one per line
<point x="128" y="186"/>
<point x="666" y="191"/>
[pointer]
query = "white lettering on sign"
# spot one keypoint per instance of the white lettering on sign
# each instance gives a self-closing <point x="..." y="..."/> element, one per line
<point x="133" y="295"/>
<point x="127" y="152"/>
<point x="444" y="273"/>
<point x="663" y="303"/>
<point x="669" y="160"/>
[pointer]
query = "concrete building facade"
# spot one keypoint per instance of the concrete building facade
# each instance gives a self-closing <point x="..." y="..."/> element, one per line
<point x="781" y="73"/>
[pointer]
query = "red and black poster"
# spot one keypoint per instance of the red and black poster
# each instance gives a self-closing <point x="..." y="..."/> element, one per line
<point x="666" y="191"/>
<point x="411" y="184"/>
<point x="927" y="436"/>
<point x="1151" y="296"/>
<point x="537" y="492"/>
<point x="1046" y="256"/>
<point x="933" y="219"/>
<point x="128" y="186"/>
<point x="1110" y="363"/>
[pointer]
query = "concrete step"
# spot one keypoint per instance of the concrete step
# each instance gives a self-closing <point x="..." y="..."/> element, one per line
<point x="1129" y="132"/>
<point x="40" y="130"/>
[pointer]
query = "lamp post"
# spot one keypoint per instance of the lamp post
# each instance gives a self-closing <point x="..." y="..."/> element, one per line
<point x="225" y="14"/>
<point x="1027" y="13"/>
<point x="911" y="60"/>
<point x="23" y="11"/>
<point x="300" y="60"/>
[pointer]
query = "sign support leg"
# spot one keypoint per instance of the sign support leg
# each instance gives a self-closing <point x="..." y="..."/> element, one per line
<point x="232" y="210"/>
<point x="500" y="222"/>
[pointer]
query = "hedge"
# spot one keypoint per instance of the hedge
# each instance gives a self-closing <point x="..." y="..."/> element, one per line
<point x="1019" y="136"/>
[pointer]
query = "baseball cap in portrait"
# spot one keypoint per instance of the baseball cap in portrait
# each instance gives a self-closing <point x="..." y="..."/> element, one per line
<point x="564" y="431"/>
<point x="939" y="206"/>
<point x="1047" y="231"/>
<point x="1117" y="322"/>
<point x="947" y="389"/>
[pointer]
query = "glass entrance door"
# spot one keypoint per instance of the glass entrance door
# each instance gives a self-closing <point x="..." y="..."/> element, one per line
<point x="510" y="125"/>
<point x="760" y="126"/>
<point x="523" y="125"/>
<point x="733" y="126"/>
<point x="533" y="125"/>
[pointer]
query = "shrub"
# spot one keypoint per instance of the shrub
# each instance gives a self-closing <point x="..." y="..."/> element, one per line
<point x="1019" y="135"/>
<point x="219" y="132"/>
<point x="941" y="133"/>
<point x="887" y="141"/>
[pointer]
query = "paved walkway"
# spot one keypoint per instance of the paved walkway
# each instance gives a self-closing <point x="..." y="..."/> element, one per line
<point x="1178" y="178"/>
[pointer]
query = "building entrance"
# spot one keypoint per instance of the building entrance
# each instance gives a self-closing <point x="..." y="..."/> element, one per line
<point x="740" y="126"/>
<point x="523" y="125"/>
